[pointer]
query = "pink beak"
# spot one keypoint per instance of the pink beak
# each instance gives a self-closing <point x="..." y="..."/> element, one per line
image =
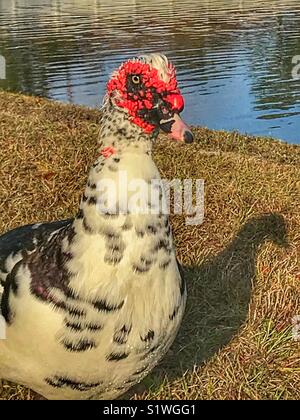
<point x="176" y="127"/>
<point x="180" y="131"/>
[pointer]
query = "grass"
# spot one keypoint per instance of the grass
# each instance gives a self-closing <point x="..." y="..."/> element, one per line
<point x="241" y="264"/>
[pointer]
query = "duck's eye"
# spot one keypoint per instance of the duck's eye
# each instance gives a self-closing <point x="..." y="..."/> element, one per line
<point x="135" y="79"/>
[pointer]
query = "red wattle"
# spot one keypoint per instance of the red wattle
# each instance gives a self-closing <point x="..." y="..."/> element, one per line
<point x="176" y="101"/>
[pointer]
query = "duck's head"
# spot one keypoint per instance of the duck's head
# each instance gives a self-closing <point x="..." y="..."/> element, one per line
<point x="146" y="89"/>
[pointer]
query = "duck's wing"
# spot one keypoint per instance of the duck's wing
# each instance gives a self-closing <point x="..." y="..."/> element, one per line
<point x="14" y="243"/>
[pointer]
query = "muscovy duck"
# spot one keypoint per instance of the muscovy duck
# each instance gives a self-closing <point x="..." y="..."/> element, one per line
<point x="93" y="303"/>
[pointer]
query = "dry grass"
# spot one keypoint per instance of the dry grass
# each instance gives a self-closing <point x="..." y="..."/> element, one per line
<point x="241" y="264"/>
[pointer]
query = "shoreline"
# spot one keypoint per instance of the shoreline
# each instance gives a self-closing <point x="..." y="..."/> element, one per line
<point x="210" y="138"/>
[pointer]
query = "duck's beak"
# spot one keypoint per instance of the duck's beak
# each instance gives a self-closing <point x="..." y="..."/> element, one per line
<point x="175" y="126"/>
<point x="180" y="131"/>
<point x="177" y="129"/>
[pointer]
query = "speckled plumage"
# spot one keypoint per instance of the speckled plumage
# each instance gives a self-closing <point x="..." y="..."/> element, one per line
<point x="92" y="303"/>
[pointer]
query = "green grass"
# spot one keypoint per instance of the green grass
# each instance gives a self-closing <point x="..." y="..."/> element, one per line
<point x="241" y="264"/>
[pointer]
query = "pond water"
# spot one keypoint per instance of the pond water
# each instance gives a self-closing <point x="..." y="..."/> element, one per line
<point x="234" y="58"/>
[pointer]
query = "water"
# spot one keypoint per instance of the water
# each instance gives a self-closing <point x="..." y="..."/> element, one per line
<point x="233" y="58"/>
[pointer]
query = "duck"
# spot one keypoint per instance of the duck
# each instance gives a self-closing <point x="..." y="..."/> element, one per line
<point x="91" y="304"/>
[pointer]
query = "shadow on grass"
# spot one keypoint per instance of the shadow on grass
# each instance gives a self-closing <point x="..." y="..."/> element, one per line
<point x="219" y="292"/>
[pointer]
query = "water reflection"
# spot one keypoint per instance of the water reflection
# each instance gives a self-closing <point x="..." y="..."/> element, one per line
<point x="234" y="62"/>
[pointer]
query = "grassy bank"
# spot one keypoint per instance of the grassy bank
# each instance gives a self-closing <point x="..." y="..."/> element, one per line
<point x="241" y="264"/>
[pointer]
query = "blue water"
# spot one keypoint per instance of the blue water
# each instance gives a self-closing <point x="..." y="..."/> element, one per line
<point x="233" y="58"/>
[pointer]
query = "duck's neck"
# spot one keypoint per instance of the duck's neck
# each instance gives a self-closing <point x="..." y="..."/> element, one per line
<point x="119" y="132"/>
<point x="130" y="157"/>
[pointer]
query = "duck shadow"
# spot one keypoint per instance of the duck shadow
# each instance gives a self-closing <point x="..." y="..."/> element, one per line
<point x="219" y="292"/>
